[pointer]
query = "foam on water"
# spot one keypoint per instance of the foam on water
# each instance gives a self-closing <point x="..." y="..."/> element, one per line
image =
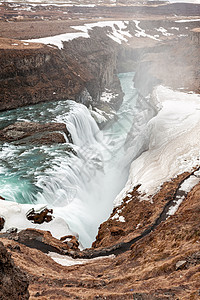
<point x="80" y="188"/>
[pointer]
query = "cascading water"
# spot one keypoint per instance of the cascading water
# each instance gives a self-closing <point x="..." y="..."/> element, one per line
<point x="80" y="188"/>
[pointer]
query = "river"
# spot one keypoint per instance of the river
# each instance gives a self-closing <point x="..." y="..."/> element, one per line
<point x="80" y="188"/>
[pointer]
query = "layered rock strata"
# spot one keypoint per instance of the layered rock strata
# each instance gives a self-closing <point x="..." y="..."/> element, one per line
<point x="80" y="71"/>
<point x="35" y="133"/>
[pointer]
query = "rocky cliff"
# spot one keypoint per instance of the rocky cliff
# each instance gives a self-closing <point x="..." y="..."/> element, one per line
<point x="80" y="71"/>
<point x="32" y="76"/>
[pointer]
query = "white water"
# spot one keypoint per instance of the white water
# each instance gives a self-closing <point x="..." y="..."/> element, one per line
<point x="80" y="188"/>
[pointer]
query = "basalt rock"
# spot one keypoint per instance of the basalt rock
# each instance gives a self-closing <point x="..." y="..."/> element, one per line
<point x="13" y="282"/>
<point x="40" y="217"/>
<point x="32" y="76"/>
<point x="80" y="71"/>
<point x="36" y="133"/>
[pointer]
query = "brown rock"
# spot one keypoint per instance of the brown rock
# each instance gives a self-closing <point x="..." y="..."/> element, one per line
<point x="13" y="282"/>
<point x="2" y="221"/>
<point x="32" y="132"/>
<point x="30" y="76"/>
<point x="1" y="198"/>
<point x="72" y="241"/>
<point x="42" y="240"/>
<point x="40" y="217"/>
<point x="115" y="230"/>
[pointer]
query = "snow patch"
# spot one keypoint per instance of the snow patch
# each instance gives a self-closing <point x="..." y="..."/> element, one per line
<point x="188" y="184"/>
<point x="118" y="33"/>
<point x="69" y="261"/>
<point x="186" y="187"/>
<point x="138" y="225"/>
<point x="118" y="218"/>
<point x="58" y="40"/>
<point x="141" y="32"/>
<point x="175" y="28"/>
<point x="174" y="208"/>
<point x="164" y="31"/>
<point x="15" y="216"/>
<point x="107" y="96"/>
<point x="187" y="20"/>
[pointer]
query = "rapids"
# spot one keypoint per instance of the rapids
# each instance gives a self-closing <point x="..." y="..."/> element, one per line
<point x="80" y="188"/>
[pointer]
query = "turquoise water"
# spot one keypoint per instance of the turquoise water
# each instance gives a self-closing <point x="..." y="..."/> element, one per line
<point x="81" y="188"/>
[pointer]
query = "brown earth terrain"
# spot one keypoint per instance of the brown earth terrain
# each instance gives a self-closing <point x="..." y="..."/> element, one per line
<point x="148" y="259"/>
<point x="165" y="264"/>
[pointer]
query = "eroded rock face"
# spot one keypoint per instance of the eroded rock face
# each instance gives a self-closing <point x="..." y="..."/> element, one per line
<point x="37" y="133"/>
<point x="32" y="76"/>
<point x="43" y="241"/>
<point x="81" y="70"/>
<point x="13" y="282"/>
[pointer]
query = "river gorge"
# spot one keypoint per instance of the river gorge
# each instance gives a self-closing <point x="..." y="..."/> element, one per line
<point x="99" y="150"/>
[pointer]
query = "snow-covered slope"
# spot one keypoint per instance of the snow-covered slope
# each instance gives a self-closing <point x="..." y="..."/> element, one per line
<point x="174" y="142"/>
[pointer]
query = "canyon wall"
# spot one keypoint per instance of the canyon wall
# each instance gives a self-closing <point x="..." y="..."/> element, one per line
<point x="79" y="71"/>
<point x="84" y="67"/>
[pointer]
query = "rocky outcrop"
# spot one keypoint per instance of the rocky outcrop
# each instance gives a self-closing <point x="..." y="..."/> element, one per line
<point x="145" y="214"/>
<point x="32" y="76"/>
<point x="35" y="133"/>
<point x="96" y="58"/>
<point x="71" y="241"/>
<point x="81" y="70"/>
<point x="13" y="282"/>
<point x="43" y="241"/>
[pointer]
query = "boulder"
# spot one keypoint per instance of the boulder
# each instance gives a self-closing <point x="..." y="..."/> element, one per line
<point x="71" y="241"/>
<point x="45" y="215"/>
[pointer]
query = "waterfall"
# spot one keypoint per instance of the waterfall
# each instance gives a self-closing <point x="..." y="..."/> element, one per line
<point x="79" y="185"/>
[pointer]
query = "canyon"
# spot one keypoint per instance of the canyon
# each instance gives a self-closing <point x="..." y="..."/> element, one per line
<point x="148" y="246"/>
